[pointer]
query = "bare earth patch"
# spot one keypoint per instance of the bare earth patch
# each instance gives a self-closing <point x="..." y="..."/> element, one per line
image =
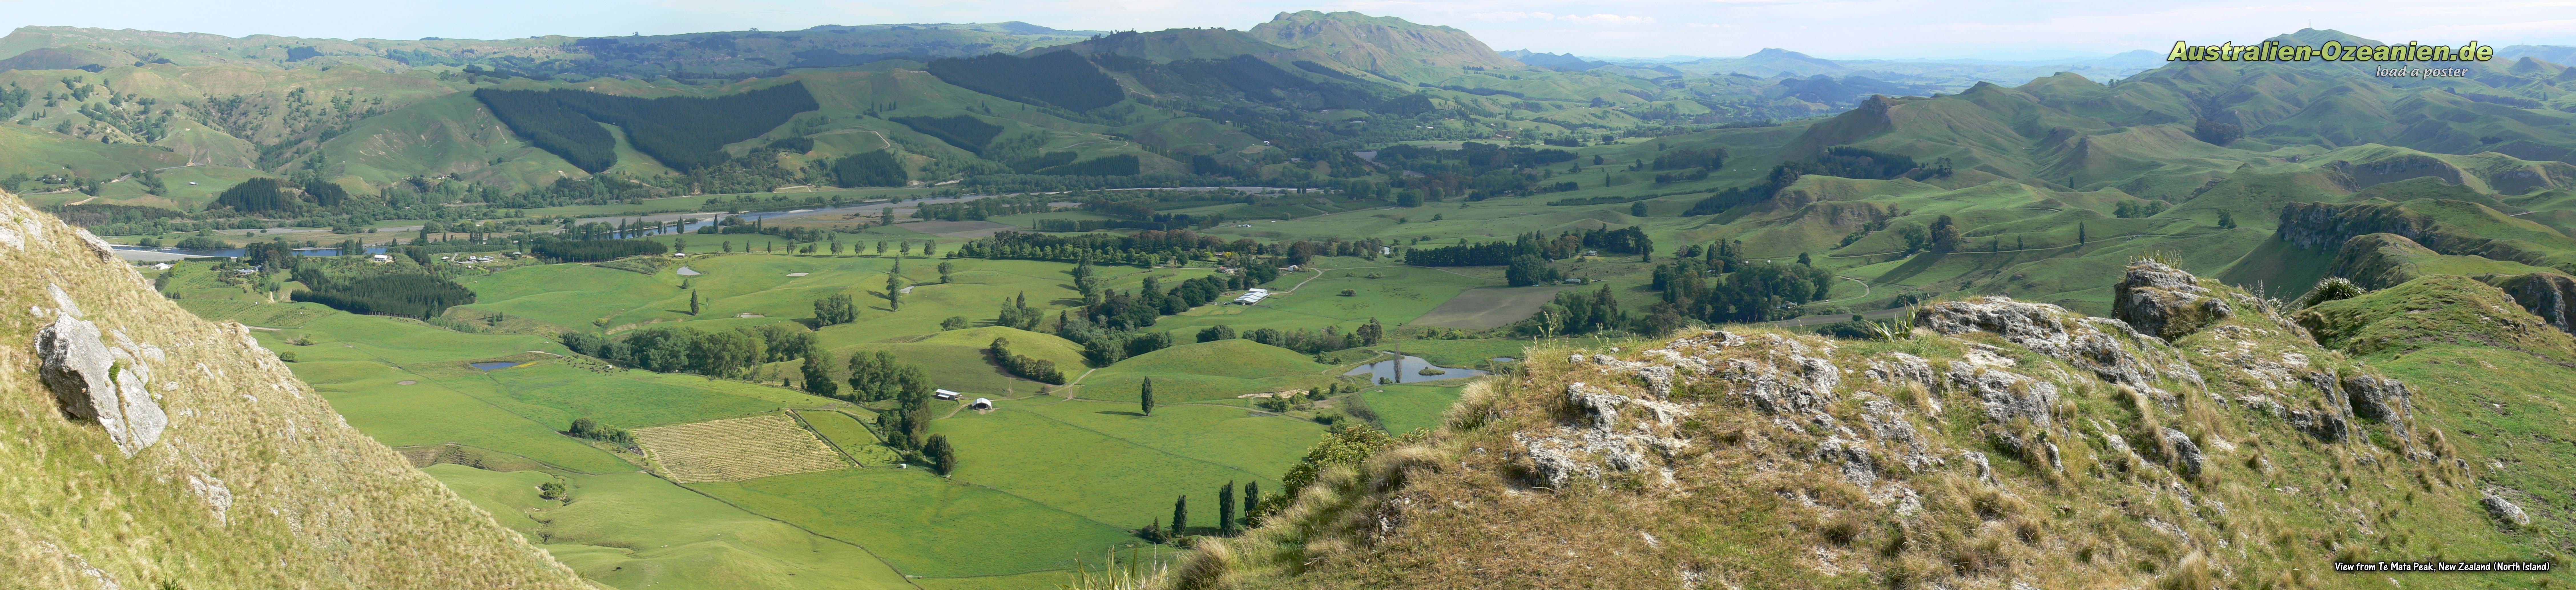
<point x="736" y="449"/>
<point x="1488" y="307"/>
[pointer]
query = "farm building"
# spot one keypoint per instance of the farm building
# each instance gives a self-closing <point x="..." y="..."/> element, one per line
<point x="945" y="394"/>
<point x="1252" y="297"/>
<point x="981" y="404"/>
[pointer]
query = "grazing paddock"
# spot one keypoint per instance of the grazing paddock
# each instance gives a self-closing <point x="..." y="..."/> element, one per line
<point x="736" y="449"/>
<point x="1489" y="307"/>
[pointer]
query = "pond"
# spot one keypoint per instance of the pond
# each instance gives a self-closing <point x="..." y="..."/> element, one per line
<point x="1408" y="368"/>
<point x="493" y="365"/>
<point x="689" y="272"/>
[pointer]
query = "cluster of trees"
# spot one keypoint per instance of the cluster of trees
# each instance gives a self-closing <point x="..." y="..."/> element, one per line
<point x="1031" y="368"/>
<point x="2137" y="209"/>
<point x="1303" y="251"/>
<point x="1526" y="270"/>
<point x="596" y="250"/>
<point x="1746" y="292"/>
<point x="877" y="168"/>
<point x="1141" y="248"/>
<point x="1627" y="240"/>
<point x="673" y="349"/>
<point x="1574" y="314"/>
<point x="2216" y="132"/>
<point x="1060" y="78"/>
<point x="396" y="293"/>
<point x="685" y="132"/>
<point x="256" y="195"/>
<point x="834" y="310"/>
<point x="1018" y="314"/>
<point x="1232" y="516"/>
<point x="877" y="376"/>
<point x="964" y="131"/>
<point x="1328" y="339"/>
<point x="590" y="429"/>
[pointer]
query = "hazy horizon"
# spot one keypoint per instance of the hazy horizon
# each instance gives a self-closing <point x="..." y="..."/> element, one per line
<point x="1841" y="29"/>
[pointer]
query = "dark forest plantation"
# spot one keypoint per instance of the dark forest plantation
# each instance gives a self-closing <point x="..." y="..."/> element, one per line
<point x="1334" y="301"/>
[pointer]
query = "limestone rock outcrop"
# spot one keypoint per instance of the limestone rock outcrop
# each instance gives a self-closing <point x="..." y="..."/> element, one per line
<point x="2165" y="301"/>
<point x="2107" y="347"/>
<point x="95" y="382"/>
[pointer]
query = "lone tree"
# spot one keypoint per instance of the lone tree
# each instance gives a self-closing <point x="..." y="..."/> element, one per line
<point x="818" y="375"/>
<point x="2079" y="235"/>
<point x="1181" y="515"/>
<point x="1146" y="396"/>
<point x="693" y="302"/>
<point x="943" y="458"/>
<point x="894" y="292"/>
<point x="1945" y="235"/>
<point x="1225" y="508"/>
<point x="944" y="268"/>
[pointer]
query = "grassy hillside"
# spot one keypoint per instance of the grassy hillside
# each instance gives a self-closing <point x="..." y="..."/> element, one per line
<point x="1207" y="371"/>
<point x="173" y="488"/>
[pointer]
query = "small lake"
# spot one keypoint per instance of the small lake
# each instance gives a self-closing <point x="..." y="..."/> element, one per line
<point x="689" y="272"/>
<point x="494" y="365"/>
<point x="1408" y="369"/>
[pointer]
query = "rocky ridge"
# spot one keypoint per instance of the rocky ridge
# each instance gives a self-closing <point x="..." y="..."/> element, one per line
<point x="2006" y="444"/>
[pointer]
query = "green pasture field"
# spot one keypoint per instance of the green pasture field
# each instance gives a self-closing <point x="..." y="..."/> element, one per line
<point x="1030" y="455"/>
<point x="925" y="525"/>
<point x="1207" y="371"/>
<point x="957" y="359"/>
<point x="852" y="436"/>
<point x="358" y="363"/>
<point x="632" y="530"/>
<point x="1491" y="307"/>
<point x="1405" y="408"/>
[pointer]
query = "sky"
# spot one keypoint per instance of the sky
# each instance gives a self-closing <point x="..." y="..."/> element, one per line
<point x="1841" y="29"/>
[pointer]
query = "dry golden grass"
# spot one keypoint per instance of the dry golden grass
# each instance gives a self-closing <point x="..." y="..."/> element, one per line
<point x="313" y="502"/>
<point x="736" y="449"/>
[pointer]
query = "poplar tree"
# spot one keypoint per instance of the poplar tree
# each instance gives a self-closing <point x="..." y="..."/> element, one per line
<point x="894" y="292"/>
<point x="1147" y="396"/>
<point x="1180" y="515"/>
<point x="1251" y="500"/>
<point x="693" y="302"/>
<point x="1225" y="508"/>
